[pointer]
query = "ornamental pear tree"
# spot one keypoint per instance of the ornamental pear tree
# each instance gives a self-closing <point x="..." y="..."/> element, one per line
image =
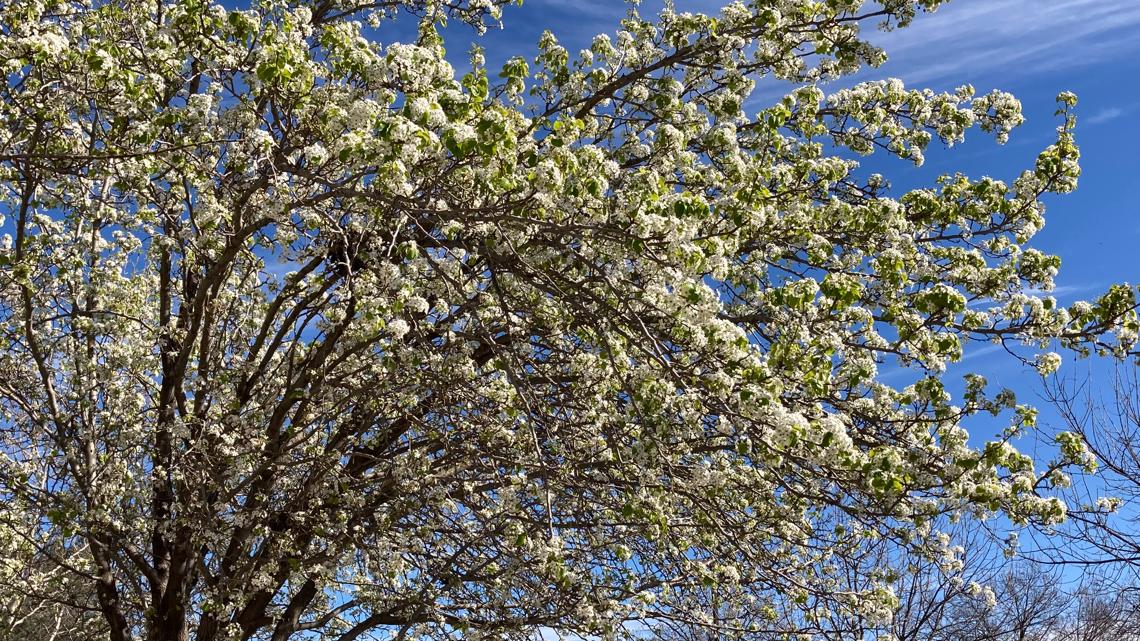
<point x="313" y="331"/>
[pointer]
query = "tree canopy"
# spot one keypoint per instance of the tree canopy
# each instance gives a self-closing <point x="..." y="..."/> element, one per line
<point x="307" y="335"/>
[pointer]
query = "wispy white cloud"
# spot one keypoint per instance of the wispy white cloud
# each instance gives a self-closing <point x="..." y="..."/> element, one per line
<point x="1009" y="39"/>
<point x="981" y="352"/>
<point x="1104" y="115"/>
<point x="1063" y="291"/>
<point x="594" y="9"/>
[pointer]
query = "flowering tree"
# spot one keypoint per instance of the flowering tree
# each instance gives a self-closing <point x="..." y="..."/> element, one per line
<point x="307" y="336"/>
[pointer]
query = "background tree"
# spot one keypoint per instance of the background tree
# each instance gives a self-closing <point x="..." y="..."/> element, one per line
<point x="1029" y="605"/>
<point x="40" y="596"/>
<point x="1103" y="530"/>
<point x="1105" y="610"/>
<point x="306" y="337"/>
<point x="948" y="597"/>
